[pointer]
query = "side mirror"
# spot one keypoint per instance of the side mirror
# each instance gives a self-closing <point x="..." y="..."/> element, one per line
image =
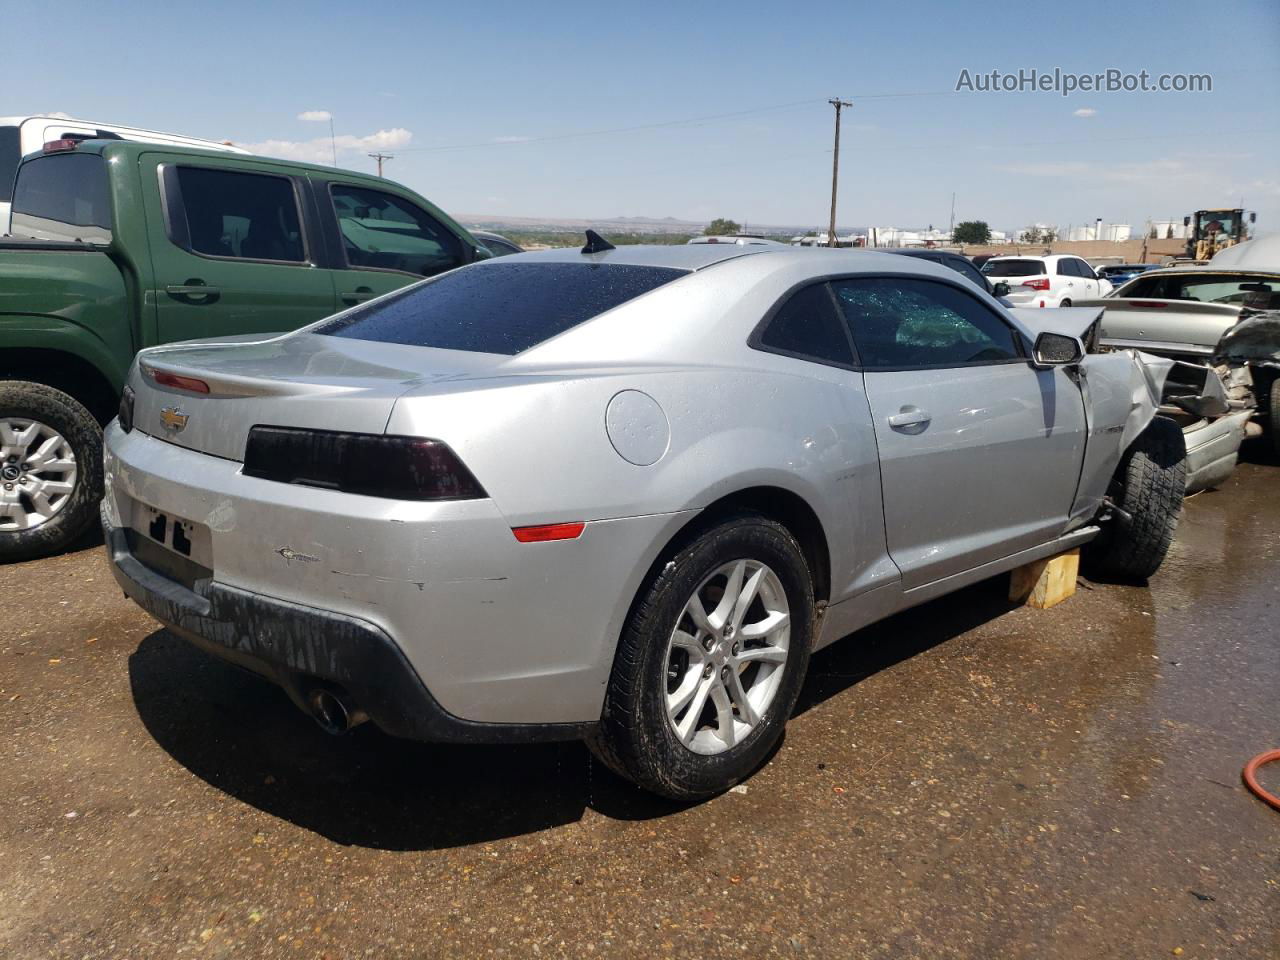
<point x="1056" y="350"/>
<point x="1000" y="289"/>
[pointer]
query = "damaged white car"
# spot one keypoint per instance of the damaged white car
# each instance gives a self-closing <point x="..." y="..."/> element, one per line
<point x="622" y="494"/>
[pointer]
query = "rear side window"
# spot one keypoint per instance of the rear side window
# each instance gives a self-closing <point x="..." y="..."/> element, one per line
<point x="62" y="196"/>
<point x="497" y="306"/>
<point x="1013" y="268"/>
<point x="807" y="326"/>
<point x="241" y="216"/>
<point x="10" y="154"/>
<point x="900" y="323"/>
<point x="384" y="232"/>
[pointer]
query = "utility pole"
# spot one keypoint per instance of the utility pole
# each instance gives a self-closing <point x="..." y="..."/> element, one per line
<point x="951" y="230"/>
<point x="835" y="168"/>
<point x="380" y="157"/>
<point x="333" y="141"/>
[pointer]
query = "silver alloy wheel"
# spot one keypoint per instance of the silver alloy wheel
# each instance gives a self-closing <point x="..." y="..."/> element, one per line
<point x="37" y="473"/>
<point x="724" y="666"/>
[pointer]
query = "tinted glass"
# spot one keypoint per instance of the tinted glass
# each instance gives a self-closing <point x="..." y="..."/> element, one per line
<point x="898" y="322"/>
<point x="10" y="154"/>
<point x="807" y="325"/>
<point x="384" y="232"/>
<point x="500" y="248"/>
<point x="1084" y="270"/>
<point x="498" y="307"/>
<point x="1013" y="268"/>
<point x="247" y="216"/>
<point x="1067" y="268"/>
<point x="966" y="270"/>
<point x="1261" y="292"/>
<point x="62" y="196"/>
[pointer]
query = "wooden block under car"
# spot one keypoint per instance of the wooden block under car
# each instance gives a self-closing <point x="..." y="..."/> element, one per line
<point x="1045" y="583"/>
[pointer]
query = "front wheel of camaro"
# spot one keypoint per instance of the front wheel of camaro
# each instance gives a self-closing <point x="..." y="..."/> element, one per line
<point x="710" y="662"/>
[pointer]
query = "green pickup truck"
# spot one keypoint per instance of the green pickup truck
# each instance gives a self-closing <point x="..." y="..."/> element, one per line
<point x="115" y="246"/>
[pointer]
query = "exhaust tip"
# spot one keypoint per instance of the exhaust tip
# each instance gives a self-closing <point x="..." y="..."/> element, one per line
<point x="333" y="713"/>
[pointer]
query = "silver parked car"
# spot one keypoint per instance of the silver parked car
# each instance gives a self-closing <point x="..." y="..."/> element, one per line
<point x="621" y="494"/>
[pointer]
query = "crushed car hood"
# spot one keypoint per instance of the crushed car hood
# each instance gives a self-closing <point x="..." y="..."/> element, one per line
<point x="1068" y="321"/>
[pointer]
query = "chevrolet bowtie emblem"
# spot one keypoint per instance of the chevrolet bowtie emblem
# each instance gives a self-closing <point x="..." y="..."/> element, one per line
<point x="174" y="418"/>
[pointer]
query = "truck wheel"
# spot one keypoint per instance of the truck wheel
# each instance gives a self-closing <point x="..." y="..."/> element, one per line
<point x="1148" y="486"/>
<point x="50" y="469"/>
<point x="710" y="662"/>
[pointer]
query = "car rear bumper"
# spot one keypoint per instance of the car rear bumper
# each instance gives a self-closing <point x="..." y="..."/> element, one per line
<point x="303" y="649"/>
<point x="447" y="618"/>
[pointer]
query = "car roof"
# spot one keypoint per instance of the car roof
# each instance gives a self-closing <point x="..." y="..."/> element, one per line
<point x="134" y="148"/>
<point x="820" y="261"/>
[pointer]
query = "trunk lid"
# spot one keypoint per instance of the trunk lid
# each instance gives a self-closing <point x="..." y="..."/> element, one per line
<point x="1180" y="327"/>
<point x="300" y="380"/>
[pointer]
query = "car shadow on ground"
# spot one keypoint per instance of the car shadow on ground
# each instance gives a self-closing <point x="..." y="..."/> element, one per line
<point x="242" y="735"/>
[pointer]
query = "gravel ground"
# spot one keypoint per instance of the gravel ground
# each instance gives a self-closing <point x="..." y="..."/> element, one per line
<point x="964" y="780"/>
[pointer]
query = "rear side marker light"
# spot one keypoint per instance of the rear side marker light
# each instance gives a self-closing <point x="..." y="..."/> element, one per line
<point x="190" y="384"/>
<point x="549" y="531"/>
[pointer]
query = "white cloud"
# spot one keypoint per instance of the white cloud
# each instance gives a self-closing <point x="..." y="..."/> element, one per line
<point x="320" y="150"/>
<point x="316" y="116"/>
<point x="1084" y="112"/>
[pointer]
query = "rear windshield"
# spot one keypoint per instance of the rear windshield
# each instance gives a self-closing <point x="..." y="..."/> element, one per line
<point x="62" y="196"/>
<point x="1013" y="268"/>
<point x="500" y="307"/>
<point x="10" y="154"/>
<point x="1261" y="292"/>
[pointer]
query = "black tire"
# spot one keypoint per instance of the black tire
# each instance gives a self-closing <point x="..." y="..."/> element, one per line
<point x="66" y="415"/>
<point x="1149" y="486"/>
<point x="1273" y="417"/>
<point x="1066" y="302"/>
<point x="635" y="738"/>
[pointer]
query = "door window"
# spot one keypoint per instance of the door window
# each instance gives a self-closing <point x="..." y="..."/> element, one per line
<point x="385" y="232"/>
<point x="807" y="326"/>
<point x="900" y="323"/>
<point x="241" y="216"/>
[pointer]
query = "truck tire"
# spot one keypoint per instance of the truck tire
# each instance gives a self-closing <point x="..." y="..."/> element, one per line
<point x="1148" y="486"/>
<point x="710" y="662"/>
<point x="50" y="470"/>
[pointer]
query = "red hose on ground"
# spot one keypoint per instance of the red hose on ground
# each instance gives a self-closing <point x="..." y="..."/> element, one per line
<point x="1251" y="778"/>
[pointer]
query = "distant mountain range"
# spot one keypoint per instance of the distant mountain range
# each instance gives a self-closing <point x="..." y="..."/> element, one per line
<point x="625" y="225"/>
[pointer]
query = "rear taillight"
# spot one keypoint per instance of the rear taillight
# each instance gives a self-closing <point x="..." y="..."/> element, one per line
<point x="125" y="413"/>
<point x="164" y="379"/>
<point x="399" y="468"/>
<point x="1041" y="284"/>
<point x="56" y="146"/>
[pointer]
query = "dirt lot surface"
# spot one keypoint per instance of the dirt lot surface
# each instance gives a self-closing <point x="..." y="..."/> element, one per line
<point x="965" y="780"/>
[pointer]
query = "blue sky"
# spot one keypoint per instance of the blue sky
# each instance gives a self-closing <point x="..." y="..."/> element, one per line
<point x="491" y="78"/>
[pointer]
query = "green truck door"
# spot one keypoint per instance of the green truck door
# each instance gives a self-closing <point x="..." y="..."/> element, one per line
<point x="388" y="241"/>
<point x="231" y="250"/>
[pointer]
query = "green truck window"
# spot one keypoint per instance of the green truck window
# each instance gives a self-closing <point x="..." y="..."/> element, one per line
<point x="383" y="232"/>
<point x="241" y="216"/>
<point x="62" y="196"/>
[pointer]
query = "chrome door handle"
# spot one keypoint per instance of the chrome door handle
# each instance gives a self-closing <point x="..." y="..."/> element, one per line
<point x="909" y="417"/>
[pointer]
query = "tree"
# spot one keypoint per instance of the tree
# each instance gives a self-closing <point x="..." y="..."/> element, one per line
<point x="1050" y="234"/>
<point x="972" y="231"/>
<point x="1032" y="235"/>
<point x="720" y="227"/>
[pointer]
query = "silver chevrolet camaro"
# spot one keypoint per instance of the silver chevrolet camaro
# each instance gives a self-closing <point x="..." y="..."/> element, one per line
<point x="621" y="494"/>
